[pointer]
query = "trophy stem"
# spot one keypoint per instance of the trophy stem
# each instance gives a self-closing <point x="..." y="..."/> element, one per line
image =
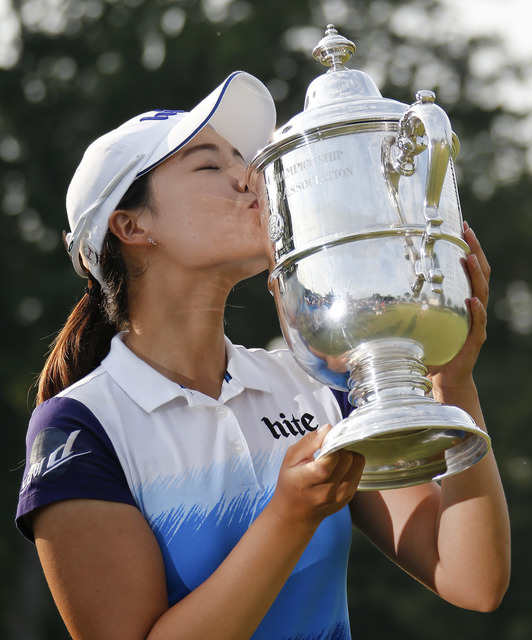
<point x="386" y="367"/>
<point x="406" y="437"/>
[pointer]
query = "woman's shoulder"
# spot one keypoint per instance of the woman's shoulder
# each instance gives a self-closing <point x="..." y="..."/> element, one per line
<point x="276" y="352"/>
<point x="68" y="455"/>
<point x="61" y="409"/>
<point x="275" y="361"/>
<point x="66" y="425"/>
<point x="281" y="368"/>
<point x="280" y="371"/>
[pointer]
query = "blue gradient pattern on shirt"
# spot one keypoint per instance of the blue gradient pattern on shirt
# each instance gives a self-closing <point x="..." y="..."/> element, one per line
<point x="196" y="538"/>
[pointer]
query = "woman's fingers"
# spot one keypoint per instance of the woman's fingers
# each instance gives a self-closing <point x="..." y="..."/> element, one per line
<point x="348" y="476"/>
<point x="479" y="317"/>
<point x="344" y="470"/>
<point x="478" y="266"/>
<point x="476" y="248"/>
<point x="305" y="448"/>
<point x="310" y="490"/>
<point x="340" y="464"/>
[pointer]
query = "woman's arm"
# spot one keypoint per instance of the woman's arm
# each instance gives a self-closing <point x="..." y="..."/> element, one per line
<point x="106" y="573"/>
<point x="455" y="539"/>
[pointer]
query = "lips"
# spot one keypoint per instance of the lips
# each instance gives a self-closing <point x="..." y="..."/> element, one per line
<point x="254" y="204"/>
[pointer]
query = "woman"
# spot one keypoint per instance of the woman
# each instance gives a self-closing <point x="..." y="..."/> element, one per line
<point x="162" y="504"/>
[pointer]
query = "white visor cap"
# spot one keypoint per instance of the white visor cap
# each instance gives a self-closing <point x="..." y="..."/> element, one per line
<point x="241" y="110"/>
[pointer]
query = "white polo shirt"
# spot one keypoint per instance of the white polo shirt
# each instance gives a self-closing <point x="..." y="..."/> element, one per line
<point x="200" y="470"/>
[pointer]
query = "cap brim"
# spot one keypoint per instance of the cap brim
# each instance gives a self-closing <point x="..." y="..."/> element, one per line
<point x="241" y="110"/>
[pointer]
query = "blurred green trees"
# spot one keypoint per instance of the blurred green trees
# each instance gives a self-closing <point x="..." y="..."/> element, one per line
<point x="80" y="67"/>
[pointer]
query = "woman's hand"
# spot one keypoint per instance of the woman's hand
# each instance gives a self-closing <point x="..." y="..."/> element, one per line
<point x="309" y="490"/>
<point x="459" y="372"/>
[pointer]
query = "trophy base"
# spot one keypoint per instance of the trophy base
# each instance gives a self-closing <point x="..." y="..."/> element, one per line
<point x="412" y="442"/>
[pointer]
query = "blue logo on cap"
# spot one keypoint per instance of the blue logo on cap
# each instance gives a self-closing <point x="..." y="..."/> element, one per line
<point x="162" y="114"/>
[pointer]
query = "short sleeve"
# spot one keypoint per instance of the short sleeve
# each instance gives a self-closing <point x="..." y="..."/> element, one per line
<point x="68" y="455"/>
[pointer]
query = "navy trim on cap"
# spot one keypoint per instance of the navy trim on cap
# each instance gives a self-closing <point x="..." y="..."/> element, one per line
<point x="197" y="130"/>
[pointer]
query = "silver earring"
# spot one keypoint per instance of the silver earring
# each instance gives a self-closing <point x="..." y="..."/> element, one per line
<point x="152" y="241"/>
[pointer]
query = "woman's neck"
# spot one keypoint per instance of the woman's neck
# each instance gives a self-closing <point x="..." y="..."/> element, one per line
<point x="182" y="336"/>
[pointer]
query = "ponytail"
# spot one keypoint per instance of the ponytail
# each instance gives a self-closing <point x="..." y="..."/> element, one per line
<point x="79" y="347"/>
<point x="85" y="339"/>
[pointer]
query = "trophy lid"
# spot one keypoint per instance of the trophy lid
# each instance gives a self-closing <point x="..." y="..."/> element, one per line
<point x="341" y="94"/>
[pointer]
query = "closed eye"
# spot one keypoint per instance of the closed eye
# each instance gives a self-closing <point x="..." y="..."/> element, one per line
<point x="209" y="167"/>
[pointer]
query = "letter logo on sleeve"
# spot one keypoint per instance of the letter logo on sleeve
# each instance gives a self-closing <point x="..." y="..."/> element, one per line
<point x="51" y="454"/>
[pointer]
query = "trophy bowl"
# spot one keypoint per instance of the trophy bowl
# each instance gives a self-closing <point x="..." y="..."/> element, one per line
<point x="364" y="234"/>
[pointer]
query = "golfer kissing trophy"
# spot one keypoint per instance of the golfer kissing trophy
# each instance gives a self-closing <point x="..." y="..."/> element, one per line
<point x="367" y="266"/>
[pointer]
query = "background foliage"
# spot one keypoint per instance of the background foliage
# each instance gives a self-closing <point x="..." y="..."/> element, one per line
<point x="77" y="68"/>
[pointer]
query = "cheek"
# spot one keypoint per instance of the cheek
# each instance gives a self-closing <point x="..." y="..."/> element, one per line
<point x="193" y="226"/>
<point x="188" y="208"/>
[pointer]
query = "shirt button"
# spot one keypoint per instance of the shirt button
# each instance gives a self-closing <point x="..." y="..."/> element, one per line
<point x="238" y="447"/>
<point x="221" y="411"/>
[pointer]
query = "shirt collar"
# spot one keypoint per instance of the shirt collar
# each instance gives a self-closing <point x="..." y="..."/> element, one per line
<point x="150" y="389"/>
<point x="142" y="383"/>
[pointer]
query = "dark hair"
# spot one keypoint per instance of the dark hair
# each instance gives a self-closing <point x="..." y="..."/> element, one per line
<point x="85" y="339"/>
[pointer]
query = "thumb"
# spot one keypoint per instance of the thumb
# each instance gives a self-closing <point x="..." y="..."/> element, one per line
<point x="303" y="450"/>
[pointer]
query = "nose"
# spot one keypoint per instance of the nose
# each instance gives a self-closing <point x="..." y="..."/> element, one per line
<point x="240" y="184"/>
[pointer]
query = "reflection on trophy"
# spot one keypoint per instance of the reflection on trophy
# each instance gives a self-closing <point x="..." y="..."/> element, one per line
<point x="364" y="229"/>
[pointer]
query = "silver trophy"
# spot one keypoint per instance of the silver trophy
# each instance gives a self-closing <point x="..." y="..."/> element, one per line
<point x="366" y="249"/>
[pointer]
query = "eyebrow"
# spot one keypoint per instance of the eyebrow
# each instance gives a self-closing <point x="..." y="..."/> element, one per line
<point x="208" y="146"/>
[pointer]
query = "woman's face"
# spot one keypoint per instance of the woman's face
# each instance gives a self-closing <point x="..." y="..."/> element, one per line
<point x="205" y="216"/>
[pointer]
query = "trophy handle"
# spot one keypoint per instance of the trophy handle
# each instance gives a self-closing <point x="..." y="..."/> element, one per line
<point x="424" y="126"/>
<point x="426" y="120"/>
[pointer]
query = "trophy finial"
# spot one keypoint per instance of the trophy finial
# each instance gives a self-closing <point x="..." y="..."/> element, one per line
<point x="333" y="50"/>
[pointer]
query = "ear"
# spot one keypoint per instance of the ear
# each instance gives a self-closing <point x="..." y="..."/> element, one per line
<point x="128" y="227"/>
